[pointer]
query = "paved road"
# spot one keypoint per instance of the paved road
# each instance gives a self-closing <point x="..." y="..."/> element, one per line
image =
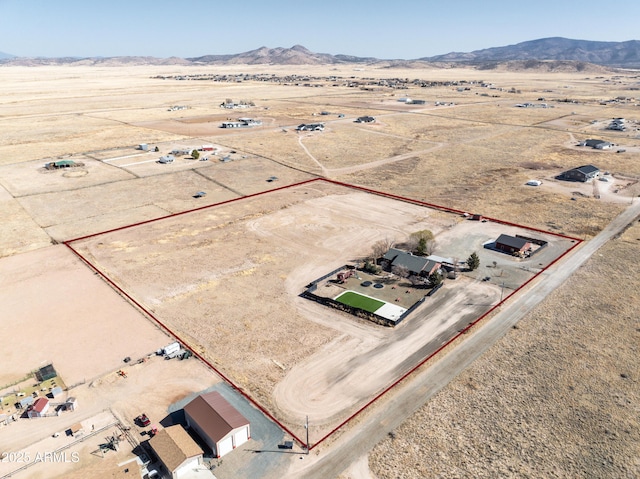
<point x="391" y="411"/>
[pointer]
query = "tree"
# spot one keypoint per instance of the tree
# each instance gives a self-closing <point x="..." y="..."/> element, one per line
<point x="370" y="267"/>
<point x="401" y="271"/>
<point x="421" y="249"/>
<point x="195" y="154"/>
<point x="473" y="261"/>
<point x="435" y="279"/>
<point x="381" y="247"/>
<point x="419" y="242"/>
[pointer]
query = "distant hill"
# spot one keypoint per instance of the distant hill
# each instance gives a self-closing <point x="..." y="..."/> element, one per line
<point x="612" y="54"/>
<point x="296" y="55"/>
<point x="572" y="55"/>
<point x="4" y="55"/>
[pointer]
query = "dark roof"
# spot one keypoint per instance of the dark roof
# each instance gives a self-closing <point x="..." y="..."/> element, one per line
<point x="587" y="169"/>
<point x="46" y="372"/>
<point x="415" y="264"/>
<point x="214" y="415"/>
<point x="511" y="241"/>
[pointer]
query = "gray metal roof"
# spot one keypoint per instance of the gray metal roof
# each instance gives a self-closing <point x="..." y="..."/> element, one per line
<point x="587" y="169"/>
<point x="511" y="241"/>
<point x="415" y="264"/>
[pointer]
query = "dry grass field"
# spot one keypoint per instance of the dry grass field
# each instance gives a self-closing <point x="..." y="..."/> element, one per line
<point x="474" y="154"/>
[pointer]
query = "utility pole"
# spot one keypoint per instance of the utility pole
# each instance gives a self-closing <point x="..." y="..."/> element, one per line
<point x="306" y="426"/>
<point x="502" y="292"/>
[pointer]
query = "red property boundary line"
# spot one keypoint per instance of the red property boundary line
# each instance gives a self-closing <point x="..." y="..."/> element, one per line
<point x="346" y="185"/>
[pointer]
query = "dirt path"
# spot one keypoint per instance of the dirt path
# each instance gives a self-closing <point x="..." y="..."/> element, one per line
<point x="330" y="381"/>
<point x="323" y="170"/>
<point x="392" y="411"/>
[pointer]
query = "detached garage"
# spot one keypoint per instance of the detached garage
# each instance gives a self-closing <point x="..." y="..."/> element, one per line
<point x="217" y="422"/>
<point x="512" y="244"/>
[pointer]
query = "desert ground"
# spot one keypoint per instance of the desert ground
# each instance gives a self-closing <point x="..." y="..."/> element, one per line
<point x="309" y="360"/>
<point x="468" y="148"/>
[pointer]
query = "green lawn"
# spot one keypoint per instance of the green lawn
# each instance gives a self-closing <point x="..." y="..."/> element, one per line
<point x="358" y="301"/>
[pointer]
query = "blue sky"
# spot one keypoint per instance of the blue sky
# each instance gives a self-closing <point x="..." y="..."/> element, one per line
<point x="383" y="29"/>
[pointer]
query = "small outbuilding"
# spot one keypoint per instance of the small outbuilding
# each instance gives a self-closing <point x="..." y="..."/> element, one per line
<point x="512" y="244"/>
<point x="71" y="404"/>
<point x="25" y="402"/>
<point x="56" y="391"/>
<point x="177" y="451"/>
<point x="218" y="423"/>
<point x="39" y="408"/>
<point x="365" y="119"/>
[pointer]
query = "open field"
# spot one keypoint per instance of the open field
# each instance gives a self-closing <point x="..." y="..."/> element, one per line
<point x="199" y="300"/>
<point x="474" y="155"/>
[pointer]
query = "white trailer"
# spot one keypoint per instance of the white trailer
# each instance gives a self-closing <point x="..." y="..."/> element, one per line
<point x="171" y="348"/>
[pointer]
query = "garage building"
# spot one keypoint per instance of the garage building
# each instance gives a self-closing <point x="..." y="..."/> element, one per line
<point x="512" y="244"/>
<point x="217" y="422"/>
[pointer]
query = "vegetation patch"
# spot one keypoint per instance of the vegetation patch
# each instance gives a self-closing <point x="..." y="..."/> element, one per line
<point x="359" y="301"/>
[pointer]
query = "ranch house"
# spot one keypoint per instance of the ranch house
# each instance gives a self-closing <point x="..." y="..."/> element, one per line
<point x="416" y="265"/>
<point x="310" y="127"/>
<point x="582" y="173"/>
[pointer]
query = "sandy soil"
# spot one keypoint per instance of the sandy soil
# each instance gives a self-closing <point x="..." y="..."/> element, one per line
<point x="67" y="315"/>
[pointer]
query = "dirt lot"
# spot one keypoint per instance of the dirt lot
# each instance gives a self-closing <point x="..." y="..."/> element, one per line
<point x="326" y="352"/>
<point x="474" y="155"/>
<point x="65" y="314"/>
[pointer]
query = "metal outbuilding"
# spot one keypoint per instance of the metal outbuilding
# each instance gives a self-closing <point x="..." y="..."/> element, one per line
<point x="217" y="422"/>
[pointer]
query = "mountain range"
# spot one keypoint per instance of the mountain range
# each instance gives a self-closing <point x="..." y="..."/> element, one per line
<point x="526" y="54"/>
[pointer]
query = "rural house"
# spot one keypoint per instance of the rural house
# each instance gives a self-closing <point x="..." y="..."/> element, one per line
<point x="177" y="451"/>
<point x="365" y="119"/>
<point x="597" y="144"/>
<point x="217" y="422"/>
<point x="417" y="265"/>
<point x="310" y="127"/>
<point x="582" y="173"/>
<point x="241" y="123"/>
